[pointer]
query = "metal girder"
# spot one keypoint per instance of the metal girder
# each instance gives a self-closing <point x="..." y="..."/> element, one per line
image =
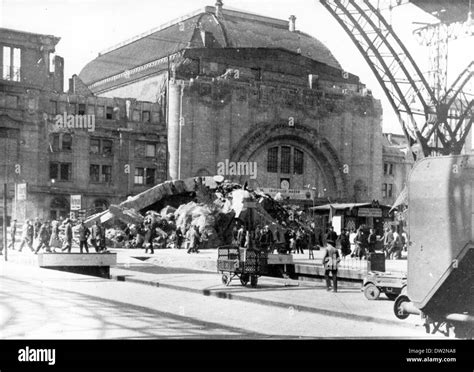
<point x="416" y="104"/>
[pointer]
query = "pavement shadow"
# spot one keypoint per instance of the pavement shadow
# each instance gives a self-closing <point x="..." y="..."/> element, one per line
<point x="109" y="317"/>
<point x="276" y="287"/>
<point x="154" y="269"/>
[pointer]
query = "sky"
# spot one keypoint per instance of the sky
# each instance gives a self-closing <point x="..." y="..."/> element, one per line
<point x="87" y="27"/>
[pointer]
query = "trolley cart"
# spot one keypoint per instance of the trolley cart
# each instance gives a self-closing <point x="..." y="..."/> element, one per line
<point x="376" y="282"/>
<point x="246" y="264"/>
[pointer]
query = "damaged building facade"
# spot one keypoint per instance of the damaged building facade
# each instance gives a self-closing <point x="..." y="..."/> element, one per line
<point x="61" y="148"/>
<point x="253" y="99"/>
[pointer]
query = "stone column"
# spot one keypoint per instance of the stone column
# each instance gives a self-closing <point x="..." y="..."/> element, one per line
<point x="174" y="102"/>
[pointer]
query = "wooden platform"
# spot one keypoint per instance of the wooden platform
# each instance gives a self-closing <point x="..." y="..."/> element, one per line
<point x="280" y="259"/>
<point x="76" y="259"/>
<point x="95" y="264"/>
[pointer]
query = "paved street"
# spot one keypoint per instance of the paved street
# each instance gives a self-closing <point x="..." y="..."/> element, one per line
<point x="39" y="303"/>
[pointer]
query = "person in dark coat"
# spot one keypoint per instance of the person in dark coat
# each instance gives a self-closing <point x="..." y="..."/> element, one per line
<point x="372" y="241"/>
<point x="102" y="242"/>
<point x="345" y="243"/>
<point x="150" y="234"/>
<point x="331" y="236"/>
<point x="361" y="241"/>
<point x="44" y="235"/>
<point x="266" y="240"/>
<point x="287" y="237"/>
<point x="179" y="238"/>
<point x="27" y="236"/>
<point x="96" y="231"/>
<point x="241" y="234"/>
<point x="331" y="260"/>
<point x="84" y="234"/>
<point x="387" y="241"/>
<point x="299" y="240"/>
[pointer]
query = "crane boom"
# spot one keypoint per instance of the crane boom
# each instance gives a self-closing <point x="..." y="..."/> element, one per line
<point x="438" y="125"/>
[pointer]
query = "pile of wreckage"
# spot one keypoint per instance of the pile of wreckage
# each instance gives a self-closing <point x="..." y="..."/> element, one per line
<point x="211" y="203"/>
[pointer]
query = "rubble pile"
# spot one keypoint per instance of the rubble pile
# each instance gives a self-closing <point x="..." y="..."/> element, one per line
<point x="214" y="208"/>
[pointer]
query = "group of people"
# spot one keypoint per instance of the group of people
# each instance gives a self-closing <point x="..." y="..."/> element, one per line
<point x="391" y="243"/>
<point x="359" y="244"/>
<point x="295" y="240"/>
<point x="51" y="236"/>
<point x="147" y="235"/>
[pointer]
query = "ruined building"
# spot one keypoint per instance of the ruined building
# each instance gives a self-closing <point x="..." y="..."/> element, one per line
<point x="254" y="99"/>
<point x="57" y="147"/>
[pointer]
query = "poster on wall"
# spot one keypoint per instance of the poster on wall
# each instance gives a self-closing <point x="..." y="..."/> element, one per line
<point x="75" y="202"/>
<point x="21" y="191"/>
<point x="337" y="224"/>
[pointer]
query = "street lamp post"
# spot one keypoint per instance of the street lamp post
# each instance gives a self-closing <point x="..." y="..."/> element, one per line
<point x="5" y="221"/>
<point x="5" y="189"/>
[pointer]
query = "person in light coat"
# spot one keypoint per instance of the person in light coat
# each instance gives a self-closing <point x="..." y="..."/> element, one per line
<point x="331" y="260"/>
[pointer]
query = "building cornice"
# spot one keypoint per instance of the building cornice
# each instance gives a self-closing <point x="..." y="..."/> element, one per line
<point x="139" y="69"/>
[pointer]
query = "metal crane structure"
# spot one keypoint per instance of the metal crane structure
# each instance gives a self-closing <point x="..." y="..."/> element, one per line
<point x="435" y="120"/>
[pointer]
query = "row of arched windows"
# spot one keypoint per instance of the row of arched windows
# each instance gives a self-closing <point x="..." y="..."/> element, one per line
<point x="285" y="159"/>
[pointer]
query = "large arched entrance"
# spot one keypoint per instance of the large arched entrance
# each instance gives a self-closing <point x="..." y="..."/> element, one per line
<point x="294" y="157"/>
<point x="59" y="208"/>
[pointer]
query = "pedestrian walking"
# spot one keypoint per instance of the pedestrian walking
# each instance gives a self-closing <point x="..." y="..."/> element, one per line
<point x="95" y="235"/>
<point x="12" y="234"/>
<point x="241" y="233"/>
<point x="395" y="250"/>
<point x="150" y="234"/>
<point x="292" y="243"/>
<point x="84" y="234"/>
<point x="331" y="260"/>
<point x="193" y="237"/>
<point x="361" y="241"/>
<point x="44" y="234"/>
<point x="387" y="241"/>
<point x="345" y="243"/>
<point x="37" y="226"/>
<point x="331" y="236"/>
<point x="299" y="241"/>
<point x="372" y="240"/>
<point x="287" y="236"/>
<point x="27" y="236"/>
<point x="179" y="238"/>
<point x="266" y="240"/>
<point x="67" y="236"/>
<point x="101" y="238"/>
<point x="54" y="240"/>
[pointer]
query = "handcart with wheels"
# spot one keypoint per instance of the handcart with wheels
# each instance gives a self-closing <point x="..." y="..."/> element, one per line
<point x="392" y="284"/>
<point x="246" y="264"/>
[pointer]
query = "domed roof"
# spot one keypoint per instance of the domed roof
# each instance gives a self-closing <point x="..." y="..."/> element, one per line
<point x="231" y="29"/>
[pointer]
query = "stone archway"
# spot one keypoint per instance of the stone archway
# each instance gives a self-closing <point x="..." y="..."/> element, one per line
<point x="305" y="137"/>
<point x="59" y="208"/>
<point x="100" y="205"/>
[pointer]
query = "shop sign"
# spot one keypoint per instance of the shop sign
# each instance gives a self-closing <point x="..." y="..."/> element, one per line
<point x="370" y="212"/>
<point x="76" y="202"/>
<point x="21" y="191"/>
<point x="295" y="194"/>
